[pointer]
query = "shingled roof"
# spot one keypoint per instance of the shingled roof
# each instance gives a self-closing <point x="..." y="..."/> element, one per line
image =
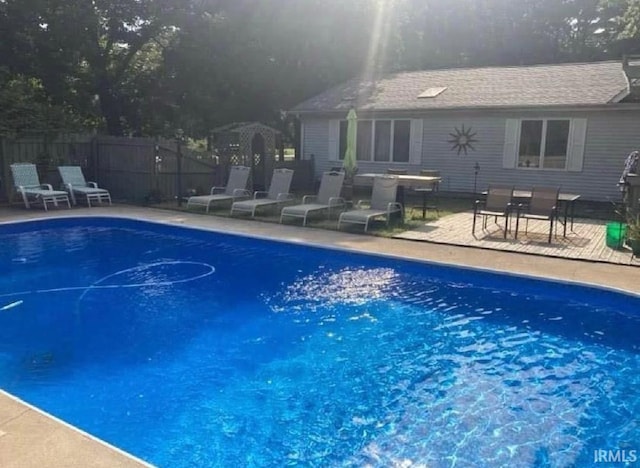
<point x="572" y="84"/>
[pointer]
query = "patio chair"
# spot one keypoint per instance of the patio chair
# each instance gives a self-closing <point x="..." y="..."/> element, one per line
<point x="236" y="188"/>
<point x="278" y="194"/>
<point x="76" y="185"/>
<point x="497" y="204"/>
<point x="543" y="206"/>
<point x="27" y="184"/>
<point x="328" y="197"/>
<point x="383" y="203"/>
<point x="392" y="171"/>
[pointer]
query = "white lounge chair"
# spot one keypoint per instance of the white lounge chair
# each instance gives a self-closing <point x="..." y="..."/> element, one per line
<point x="383" y="203"/>
<point x="27" y="184"/>
<point x="328" y="197"/>
<point x="236" y="188"/>
<point x="278" y="193"/>
<point x="75" y="183"/>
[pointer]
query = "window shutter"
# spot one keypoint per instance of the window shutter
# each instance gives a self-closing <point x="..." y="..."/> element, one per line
<point x="301" y="148"/>
<point x="576" y="147"/>
<point x="415" y="148"/>
<point x="511" y="137"/>
<point x="334" y="140"/>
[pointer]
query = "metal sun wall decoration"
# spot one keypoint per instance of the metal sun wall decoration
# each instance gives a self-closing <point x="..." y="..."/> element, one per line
<point x="462" y="140"/>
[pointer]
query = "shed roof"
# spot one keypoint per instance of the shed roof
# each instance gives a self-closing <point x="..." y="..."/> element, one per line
<point x="237" y="127"/>
<point x="570" y="84"/>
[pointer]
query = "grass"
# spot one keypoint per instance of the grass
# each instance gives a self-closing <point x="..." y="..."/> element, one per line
<point x="447" y="205"/>
<point x="378" y="227"/>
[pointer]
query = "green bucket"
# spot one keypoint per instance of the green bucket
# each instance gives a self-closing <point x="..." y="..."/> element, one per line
<point x="616" y="233"/>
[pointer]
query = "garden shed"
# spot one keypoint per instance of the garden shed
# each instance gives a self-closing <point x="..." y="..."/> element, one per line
<point x="251" y="144"/>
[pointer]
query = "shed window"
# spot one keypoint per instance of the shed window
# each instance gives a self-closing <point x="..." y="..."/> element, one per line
<point x="544" y="143"/>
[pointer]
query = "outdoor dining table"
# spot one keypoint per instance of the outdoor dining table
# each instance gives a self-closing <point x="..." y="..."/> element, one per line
<point x="568" y="201"/>
<point x="404" y="181"/>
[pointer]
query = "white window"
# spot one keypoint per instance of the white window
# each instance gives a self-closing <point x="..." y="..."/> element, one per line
<point x="379" y="140"/>
<point x="544" y="143"/>
<point x="552" y="144"/>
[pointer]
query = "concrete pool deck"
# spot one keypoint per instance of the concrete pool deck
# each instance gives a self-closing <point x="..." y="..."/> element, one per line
<point x="29" y="437"/>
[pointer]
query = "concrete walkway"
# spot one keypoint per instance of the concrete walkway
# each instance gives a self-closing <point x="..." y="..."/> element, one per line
<point x="29" y="438"/>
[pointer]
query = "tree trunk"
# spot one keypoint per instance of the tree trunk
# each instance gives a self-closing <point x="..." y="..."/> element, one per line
<point x="110" y="108"/>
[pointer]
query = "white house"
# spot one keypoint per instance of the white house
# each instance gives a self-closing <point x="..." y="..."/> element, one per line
<point x="568" y="125"/>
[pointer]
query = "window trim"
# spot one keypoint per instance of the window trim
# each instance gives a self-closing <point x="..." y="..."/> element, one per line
<point x="374" y="123"/>
<point x="543" y="142"/>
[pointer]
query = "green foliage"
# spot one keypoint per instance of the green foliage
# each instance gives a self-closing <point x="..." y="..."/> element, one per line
<point x="25" y="106"/>
<point x="151" y="66"/>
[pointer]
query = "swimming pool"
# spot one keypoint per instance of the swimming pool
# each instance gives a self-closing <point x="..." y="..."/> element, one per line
<point x="192" y="348"/>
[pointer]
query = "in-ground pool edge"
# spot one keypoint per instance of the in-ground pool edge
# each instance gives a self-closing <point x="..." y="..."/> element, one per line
<point x="297" y="241"/>
<point x="285" y="240"/>
<point x="59" y="422"/>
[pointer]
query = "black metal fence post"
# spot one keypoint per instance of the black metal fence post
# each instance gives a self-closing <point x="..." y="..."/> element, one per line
<point x="179" y="140"/>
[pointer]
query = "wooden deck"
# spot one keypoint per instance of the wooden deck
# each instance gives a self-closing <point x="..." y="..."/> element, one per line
<point x="585" y="242"/>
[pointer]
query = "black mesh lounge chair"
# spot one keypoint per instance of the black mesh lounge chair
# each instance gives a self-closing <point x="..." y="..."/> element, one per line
<point x="498" y="204"/>
<point x="542" y="207"/>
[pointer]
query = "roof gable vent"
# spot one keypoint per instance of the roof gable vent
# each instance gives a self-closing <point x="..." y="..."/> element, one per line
<point x="432" y="92"/>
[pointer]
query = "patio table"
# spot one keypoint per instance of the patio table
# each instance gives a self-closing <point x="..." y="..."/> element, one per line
<point x="404" y="180"/>
<point x="566" y="199"/>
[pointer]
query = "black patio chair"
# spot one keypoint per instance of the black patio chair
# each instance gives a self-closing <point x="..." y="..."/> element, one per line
<point x="499" y="203"/>
<point x="543" y="206"/>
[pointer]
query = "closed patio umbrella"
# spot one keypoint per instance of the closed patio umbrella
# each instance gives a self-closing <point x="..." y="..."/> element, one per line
<point x="349" y="163"/>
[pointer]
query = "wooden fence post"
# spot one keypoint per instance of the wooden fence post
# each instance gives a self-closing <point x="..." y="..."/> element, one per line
<point x="93" y="159"/>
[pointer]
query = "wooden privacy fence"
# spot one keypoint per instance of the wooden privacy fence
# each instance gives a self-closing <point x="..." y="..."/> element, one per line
<point x="145" y="169"/>
<point x="47" y="152"/>
<point x="303" y="175"/>
<point x="132" y="169"/>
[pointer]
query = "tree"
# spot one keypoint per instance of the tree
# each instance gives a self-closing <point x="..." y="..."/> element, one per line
<point x="622" y="26"/>
<point x="103" y="48"/>
<point x="150" y="66"/>
<point x="25" y="106"/>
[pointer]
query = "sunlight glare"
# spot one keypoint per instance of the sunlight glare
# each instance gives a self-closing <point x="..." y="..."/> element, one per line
<point x="379" y="39"/>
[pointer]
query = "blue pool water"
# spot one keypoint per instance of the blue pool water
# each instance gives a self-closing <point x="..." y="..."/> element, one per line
<point x="189" y="348"/>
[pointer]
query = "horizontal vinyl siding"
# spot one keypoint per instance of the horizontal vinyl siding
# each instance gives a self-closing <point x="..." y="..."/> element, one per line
<point x="316" y="143"/>
<point x="610" y="139"/>
<point x="611" y="136"/>
<point x="457" y="170"/>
